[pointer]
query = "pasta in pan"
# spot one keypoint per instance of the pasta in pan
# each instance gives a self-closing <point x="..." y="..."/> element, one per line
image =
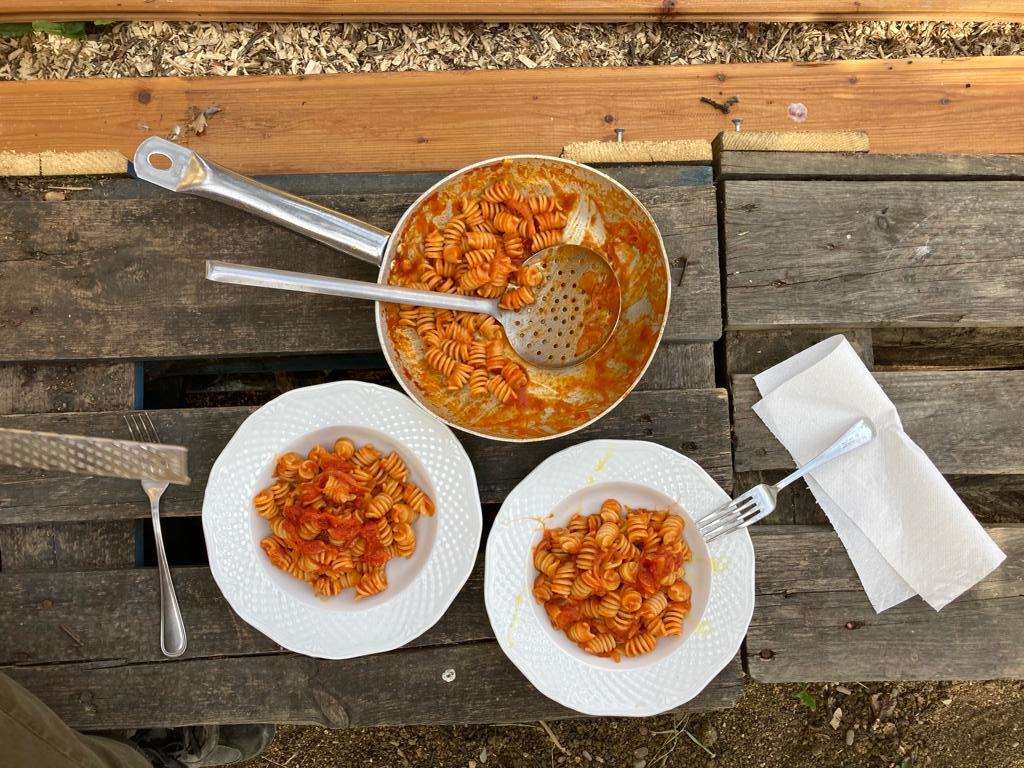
<point x="480" y="251"/>
<point x="613" y="580"/>
<point x="336" y="517"/>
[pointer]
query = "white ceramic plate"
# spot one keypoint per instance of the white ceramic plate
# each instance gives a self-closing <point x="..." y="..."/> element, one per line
<point x="721" y="577"/>
<point x="419" y="589"/>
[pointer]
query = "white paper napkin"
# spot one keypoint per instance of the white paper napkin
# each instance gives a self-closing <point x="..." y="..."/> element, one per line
<point x="906" y="530"/>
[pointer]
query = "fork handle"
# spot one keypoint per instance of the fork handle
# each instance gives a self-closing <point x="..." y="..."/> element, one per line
<point x="860" y="433"/>
<point x="172" y="627"/>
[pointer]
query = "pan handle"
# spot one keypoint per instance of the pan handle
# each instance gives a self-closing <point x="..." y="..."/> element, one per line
<point x="263" y="277"/>
<point x="185" y="171"/>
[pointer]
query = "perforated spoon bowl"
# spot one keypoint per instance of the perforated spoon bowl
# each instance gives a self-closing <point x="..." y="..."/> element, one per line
<point x="575" y="307"/>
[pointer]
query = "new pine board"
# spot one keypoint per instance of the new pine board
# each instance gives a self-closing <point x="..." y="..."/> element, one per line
<point x="880" y="253"/>
<point x="813" y="622"/>
<point x="442" y="120"/>
<point x="521" y="10"/>
<point x="966" y="421"/>
<point x="123" y="277"/>
<point x="693" y="422"/>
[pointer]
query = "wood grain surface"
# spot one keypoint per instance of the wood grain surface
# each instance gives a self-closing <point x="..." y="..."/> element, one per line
<point x="693" y="422"/>
<point x="520" y="10"/>
<point x="444" y="120"/>
<point x="813" y="622"/>
<point x="964" y="420"/>
<point x="397" y="688"/>
<point x="881" y="253"/>
<point x="755" y="351"/>
<point x="114" y="613"/>
<point x="867" y="167"/>
<point x="954" y="348"/>
<point x="123" y="277"/>
<point x="36" y="545"/>
<point x="992" y="499"/>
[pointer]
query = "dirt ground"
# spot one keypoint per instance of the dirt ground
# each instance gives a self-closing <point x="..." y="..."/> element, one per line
<point x="888" y="725"/>
<point x="203" y="48"/>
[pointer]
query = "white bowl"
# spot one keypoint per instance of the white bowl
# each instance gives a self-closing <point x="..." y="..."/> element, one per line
<point x="420" y="589"/>
<point x="721" y="577"/>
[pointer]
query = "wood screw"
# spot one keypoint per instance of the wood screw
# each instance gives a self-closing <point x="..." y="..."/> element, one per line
<point x="737" y="121"/>
<point x="618" y="134"/>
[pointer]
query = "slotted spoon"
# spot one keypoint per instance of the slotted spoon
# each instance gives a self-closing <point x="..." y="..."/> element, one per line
<point x="574" y="313"/>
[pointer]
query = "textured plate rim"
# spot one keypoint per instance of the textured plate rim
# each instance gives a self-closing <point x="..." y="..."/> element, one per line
<point x="460" y="579"/>
<point x="617" y="710"/>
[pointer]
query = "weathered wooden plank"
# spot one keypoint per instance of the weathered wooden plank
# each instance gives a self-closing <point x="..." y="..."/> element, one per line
<point x="565" y="11"/>
<point x="694" y="422"/>
<point x="867" y="167"/>
<point x="813" y="622"/>
<point x="85" y="279"/>
<point x="38" y="389"/>
<point x="399" y="688"/>
<point x="954" y="348"/>
<point x="964" y="420"/>
<point x="67" y="547"/>
<point x="442" y="120"/>
<point x="113" y="615"/>
<point x="55" y="388"/>
<point x="991" y="498"/>
<point x="815" y="253"/>
<point x="756" y="351"/>
<point x="681" y="366"/>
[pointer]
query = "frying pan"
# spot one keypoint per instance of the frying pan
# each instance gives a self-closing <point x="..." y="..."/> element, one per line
<point x="602" y="215"/>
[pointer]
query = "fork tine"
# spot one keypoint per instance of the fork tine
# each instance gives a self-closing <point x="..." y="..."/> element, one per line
<point x="153" y="434"/>
<point x="745" y="520"/>
<point x="729" y="511"/>
<point x="741" y="519"/>
<point x="724" y="510"/>
<point x="131" y="426"/>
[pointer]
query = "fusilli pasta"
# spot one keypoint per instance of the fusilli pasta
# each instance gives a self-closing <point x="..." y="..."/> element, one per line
<point x="613" y="580"/>
<point x="337" y="517"/>
<point x="480" y="251"/>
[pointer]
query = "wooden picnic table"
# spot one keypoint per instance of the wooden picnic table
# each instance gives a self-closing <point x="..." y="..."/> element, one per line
<point x="104" y="309"/>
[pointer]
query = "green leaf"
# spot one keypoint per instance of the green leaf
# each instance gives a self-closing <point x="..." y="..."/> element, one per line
<point x="906" y="763"/>
<point x="104" y="23"/>
<point x="14" y="30"/>
<point x="807" y="699"/>
<point x="74" y="29"/>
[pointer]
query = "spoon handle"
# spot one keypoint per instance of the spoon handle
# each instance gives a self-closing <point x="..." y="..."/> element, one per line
<point x="262" y="277"/>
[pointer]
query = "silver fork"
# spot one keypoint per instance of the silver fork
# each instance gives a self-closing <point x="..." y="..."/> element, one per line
<point x="759" y="501"/>
<point x="172" y="626"/>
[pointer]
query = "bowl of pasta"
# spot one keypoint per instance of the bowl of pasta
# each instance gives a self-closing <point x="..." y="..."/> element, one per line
<point x="599" y="587"/>
<point x="341" y="520"/>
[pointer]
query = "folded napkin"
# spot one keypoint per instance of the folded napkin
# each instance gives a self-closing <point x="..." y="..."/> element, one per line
<point x="906" y="530"/>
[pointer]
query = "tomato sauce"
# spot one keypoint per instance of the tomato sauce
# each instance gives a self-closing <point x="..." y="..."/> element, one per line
<point x="555" y="401"/>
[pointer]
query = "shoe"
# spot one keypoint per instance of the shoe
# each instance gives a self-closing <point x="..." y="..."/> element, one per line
<point x="204" y="746"/>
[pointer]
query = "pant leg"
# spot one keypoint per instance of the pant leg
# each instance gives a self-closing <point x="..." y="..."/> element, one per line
<point x="32" y="735"/>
